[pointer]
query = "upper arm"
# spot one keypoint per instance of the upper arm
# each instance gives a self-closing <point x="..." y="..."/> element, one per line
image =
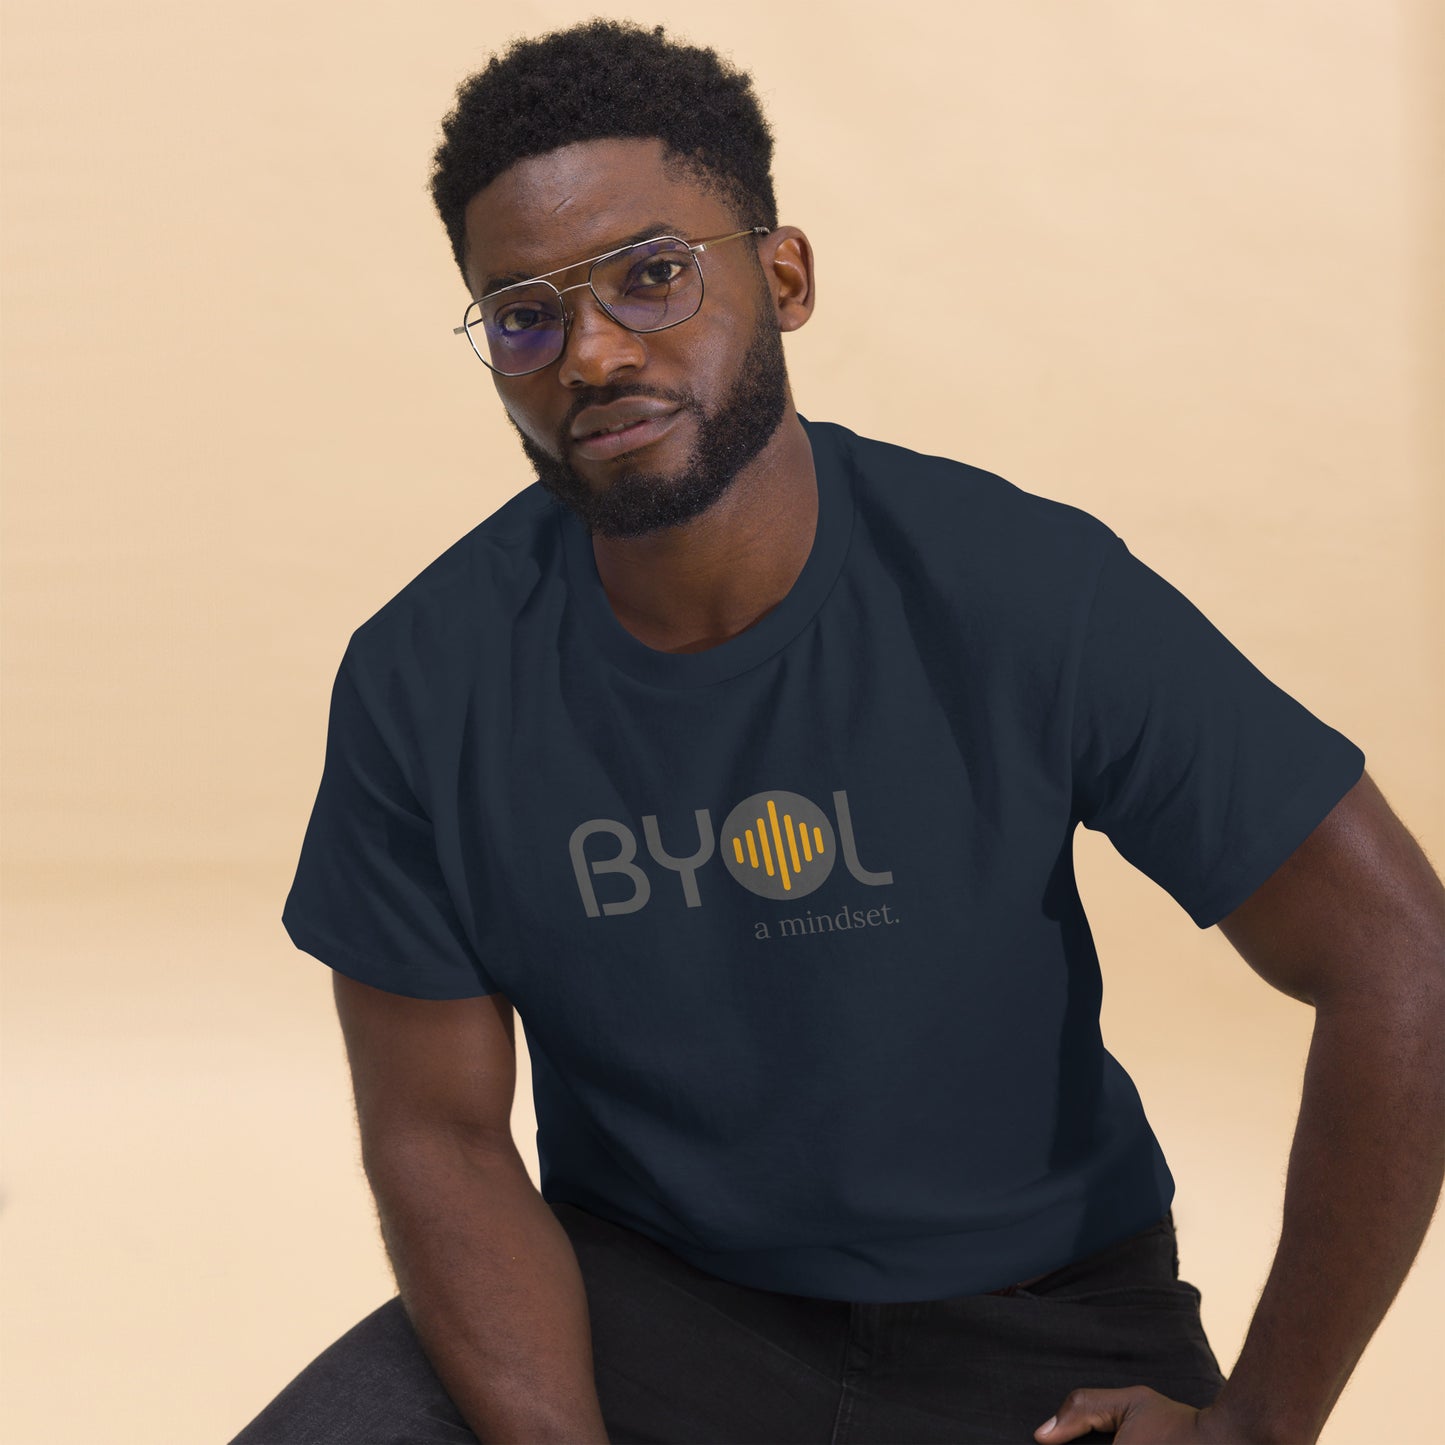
<point x="1356" y="910"/>
<point x="420" y="1066"/>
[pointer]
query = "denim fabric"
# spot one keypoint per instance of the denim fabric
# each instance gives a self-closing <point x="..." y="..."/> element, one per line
<point x="682" y="1356"/>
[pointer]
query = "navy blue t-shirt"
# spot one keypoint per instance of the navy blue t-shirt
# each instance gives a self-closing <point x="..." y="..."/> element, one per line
<point x="791" y="923"/>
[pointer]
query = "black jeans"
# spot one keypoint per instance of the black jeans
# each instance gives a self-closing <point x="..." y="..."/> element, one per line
<point x="682" y="1356"/>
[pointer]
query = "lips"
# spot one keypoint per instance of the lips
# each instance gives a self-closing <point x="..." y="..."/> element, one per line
<point x="594" y="419"/>
<point x="605" y="445"/>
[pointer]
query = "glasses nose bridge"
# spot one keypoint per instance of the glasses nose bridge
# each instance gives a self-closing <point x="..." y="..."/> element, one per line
<point x="569" y="313"/>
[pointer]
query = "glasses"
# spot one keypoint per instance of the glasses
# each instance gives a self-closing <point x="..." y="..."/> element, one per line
<point x="647" y="286"/>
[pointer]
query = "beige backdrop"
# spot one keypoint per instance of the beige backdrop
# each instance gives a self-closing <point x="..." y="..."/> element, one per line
<point x="1193" y="254"/>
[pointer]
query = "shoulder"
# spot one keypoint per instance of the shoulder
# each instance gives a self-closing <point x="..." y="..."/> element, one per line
<point x="968" y="527"/>
<point x="464" y="599"/>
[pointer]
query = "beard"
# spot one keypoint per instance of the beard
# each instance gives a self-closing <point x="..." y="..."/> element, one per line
<point x="634" y="501"/>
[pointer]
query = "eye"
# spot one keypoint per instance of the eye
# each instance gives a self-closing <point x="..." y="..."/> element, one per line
<point x="655" y="273"/>
<point x="516" y="319"/>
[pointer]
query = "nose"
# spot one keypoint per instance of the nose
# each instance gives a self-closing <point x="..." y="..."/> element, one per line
<point x="597" y="346"/>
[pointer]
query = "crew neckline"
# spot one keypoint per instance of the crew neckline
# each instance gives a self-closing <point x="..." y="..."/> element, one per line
<point x="771" y="632"/>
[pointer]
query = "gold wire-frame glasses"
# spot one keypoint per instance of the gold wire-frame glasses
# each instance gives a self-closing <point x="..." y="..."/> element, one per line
<point x="472" y="319"/>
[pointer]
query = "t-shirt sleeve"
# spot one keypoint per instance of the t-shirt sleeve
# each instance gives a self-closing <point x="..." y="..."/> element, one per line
<point x="1203" y="773"/>
<point x="369" y="898"/>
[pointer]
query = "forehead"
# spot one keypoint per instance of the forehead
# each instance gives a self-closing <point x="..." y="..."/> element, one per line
<point x="577" y="201"/>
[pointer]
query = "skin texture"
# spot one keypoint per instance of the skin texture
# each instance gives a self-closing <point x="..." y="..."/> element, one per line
<point x="702" y="533"/>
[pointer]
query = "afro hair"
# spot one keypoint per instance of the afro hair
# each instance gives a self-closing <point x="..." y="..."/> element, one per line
<point x="601" y="79"/>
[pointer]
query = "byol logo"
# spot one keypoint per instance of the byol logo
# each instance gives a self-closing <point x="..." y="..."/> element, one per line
<point x="777" y="845"/>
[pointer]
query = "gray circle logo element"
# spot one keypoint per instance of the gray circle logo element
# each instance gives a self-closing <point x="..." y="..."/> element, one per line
<point x="778" y="845"/>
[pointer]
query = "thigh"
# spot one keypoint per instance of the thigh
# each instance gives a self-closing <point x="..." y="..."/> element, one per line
<point x="679" y="1357"/>
<point x="993" y="1367"/>
<point x="685" y="1358"/>
<point x="373" y="1386"/>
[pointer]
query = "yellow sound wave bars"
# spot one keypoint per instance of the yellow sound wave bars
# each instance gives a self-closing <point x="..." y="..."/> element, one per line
<point x="812" y="847"/>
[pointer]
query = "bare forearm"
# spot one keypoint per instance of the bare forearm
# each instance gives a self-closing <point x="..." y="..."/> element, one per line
<point x="490" y="1282"/>
<point x="1365" y="1171"/>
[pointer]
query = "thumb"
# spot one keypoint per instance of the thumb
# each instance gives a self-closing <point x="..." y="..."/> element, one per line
<point x="1085" y="1410"/>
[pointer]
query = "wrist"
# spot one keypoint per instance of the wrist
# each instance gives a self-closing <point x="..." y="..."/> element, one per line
<point x="1230" y="1419"/>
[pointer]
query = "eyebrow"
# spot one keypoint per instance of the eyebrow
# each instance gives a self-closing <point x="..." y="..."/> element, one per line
<point x="657" y="228"/>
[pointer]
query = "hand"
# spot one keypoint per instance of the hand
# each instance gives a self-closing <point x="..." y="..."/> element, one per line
<point x="1139" y="1416"/>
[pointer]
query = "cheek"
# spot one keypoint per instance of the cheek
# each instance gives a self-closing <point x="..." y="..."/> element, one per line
<point x="732" y="332"/>
<point x="704" y="352"/>
<point x="514" y="398"/>
<point x="731" y="318"/>
<point x="514" y="414"/>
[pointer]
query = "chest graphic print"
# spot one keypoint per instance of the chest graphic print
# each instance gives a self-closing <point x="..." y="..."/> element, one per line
<point x="775" y="844"/>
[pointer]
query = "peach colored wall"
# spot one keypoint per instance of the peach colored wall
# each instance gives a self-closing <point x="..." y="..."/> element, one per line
<point x="1190" y="259"/>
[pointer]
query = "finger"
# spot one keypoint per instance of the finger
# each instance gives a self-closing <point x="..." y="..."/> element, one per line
<point x="1085" y="1410"/>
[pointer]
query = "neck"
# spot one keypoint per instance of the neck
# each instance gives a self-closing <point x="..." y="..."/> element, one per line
<point x="688" y="588"/>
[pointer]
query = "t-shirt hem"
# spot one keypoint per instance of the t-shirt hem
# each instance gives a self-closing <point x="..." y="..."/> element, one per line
<point x="1305" y="810"/>
<point x="980" y="1260"/>
<point x="357" y="966"/>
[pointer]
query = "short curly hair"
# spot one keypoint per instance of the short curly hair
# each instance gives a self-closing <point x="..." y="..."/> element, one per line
<point x="600" y="79"/>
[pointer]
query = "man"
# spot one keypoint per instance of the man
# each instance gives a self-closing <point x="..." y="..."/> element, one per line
<point x="743" y="754"/>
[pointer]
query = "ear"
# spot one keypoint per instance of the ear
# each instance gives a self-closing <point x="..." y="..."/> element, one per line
<point x="787" y="258"/>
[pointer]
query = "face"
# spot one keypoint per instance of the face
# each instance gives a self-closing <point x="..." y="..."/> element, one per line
<point x="723" y="369"/>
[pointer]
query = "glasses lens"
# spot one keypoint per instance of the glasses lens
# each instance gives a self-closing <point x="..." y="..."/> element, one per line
<point x="519" y="329"/>
<point x="650" y="285"/>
